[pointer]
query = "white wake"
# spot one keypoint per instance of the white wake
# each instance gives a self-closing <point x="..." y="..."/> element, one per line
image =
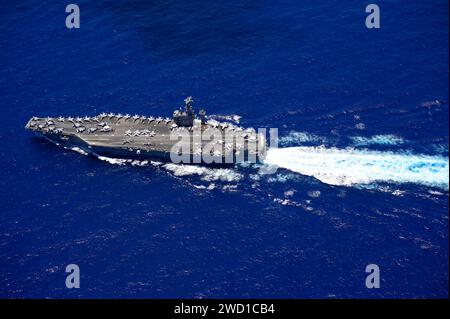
<point x="351" y="167"/>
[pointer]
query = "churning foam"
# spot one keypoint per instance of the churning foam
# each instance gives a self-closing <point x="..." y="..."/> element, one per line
<point x="206" y="174"/>
<point x="387" y="140"/>
<point x="349" y="166"/>
<point x="295" y="138"/>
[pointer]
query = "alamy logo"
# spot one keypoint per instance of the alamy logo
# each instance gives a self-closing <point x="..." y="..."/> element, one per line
<point x="219" y="144"/>
<point x="73" y="19"/>
<point x="373" y="279"/>
<point x="373" y="19"/>
<point x="73" y="279"/>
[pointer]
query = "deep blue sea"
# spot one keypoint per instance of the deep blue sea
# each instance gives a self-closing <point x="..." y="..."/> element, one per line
<point x="362" y="116"/>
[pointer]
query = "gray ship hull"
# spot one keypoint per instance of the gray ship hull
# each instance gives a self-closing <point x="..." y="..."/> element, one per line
<point x="148" y="138"/>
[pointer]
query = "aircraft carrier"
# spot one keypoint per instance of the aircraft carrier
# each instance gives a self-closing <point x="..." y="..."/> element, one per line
<point x="185" y="138"/>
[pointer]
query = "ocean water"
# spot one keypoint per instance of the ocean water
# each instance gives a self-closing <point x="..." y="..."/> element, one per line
<point x="362" y="172"/>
